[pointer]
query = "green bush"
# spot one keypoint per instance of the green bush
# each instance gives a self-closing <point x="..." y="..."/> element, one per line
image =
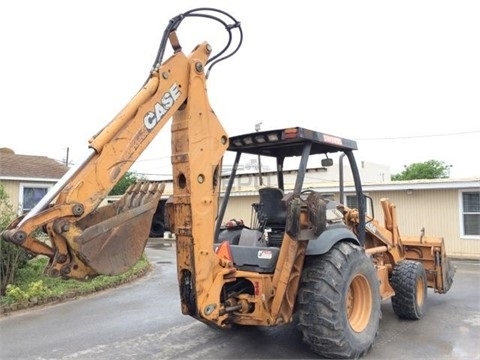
<point x="35" y="290"/>
<point x="32" y="287"/>
<point x="12" y="257"/>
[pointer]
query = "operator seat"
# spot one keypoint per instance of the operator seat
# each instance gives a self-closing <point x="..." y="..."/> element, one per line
<point x="273" y="211"/>
<point x="253" y="252"/>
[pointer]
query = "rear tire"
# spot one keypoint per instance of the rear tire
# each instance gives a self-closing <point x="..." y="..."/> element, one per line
<point x="409" y="281"/>
<point x="338" y="304"/>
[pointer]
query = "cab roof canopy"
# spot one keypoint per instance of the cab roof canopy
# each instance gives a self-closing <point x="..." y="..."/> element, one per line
<point x="288" y="142"/>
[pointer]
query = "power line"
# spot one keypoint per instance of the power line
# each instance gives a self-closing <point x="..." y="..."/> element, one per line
<point x="420" y="136"/>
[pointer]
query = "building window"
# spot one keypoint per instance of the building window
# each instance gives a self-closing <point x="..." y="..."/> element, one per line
<point x="471" y="213"/>
<point x="352" y="203"/>
<point x="30" y="195"/>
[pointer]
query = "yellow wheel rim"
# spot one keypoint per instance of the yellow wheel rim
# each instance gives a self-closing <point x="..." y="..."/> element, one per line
<point x="420" y="291"/>
<point x="359" y="303"/>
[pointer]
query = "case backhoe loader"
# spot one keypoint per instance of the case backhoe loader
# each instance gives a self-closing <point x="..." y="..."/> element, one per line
<point x="308" y="259"/>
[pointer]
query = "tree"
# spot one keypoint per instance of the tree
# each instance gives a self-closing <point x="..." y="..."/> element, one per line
<point x="431" y="169"/>
<point x="12" y="257"/>
<point x="122" y="185"/>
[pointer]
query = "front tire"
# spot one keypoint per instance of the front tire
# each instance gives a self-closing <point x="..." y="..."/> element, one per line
<point x="338" y="304"/>
<point x="409" y="281"/>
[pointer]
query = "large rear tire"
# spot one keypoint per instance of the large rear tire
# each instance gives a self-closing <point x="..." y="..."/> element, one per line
<point x="409" y="281"/>
<point x="338" y="303"/>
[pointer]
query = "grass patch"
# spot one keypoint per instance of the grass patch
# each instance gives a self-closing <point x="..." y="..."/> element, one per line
<point x="33" y="288"/>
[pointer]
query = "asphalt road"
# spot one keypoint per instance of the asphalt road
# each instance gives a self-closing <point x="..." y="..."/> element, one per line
<point x="143" y="320"/>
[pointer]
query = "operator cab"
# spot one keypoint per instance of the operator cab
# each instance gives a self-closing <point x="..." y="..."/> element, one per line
<point x="256" y="248"/>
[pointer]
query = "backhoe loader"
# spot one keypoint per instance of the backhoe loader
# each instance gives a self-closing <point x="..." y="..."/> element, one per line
<point x="308" y="259"/>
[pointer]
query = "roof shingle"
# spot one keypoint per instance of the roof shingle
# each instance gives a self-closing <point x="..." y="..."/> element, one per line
<point x="30" y="166"/>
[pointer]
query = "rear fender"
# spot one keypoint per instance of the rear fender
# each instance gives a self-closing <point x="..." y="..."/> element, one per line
<point x="330" y="237"/>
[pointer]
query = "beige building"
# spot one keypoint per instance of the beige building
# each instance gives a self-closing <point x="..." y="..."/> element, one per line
<point x="448" y="208"/>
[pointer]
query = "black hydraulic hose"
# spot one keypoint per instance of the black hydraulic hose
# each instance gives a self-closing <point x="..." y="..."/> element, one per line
<point x="172" y="26"/>
<point x="175" y="22"/>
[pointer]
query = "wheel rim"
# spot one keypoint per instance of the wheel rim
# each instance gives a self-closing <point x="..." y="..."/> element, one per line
<point x="420" y="293"/>
<point x="359" y="303"/>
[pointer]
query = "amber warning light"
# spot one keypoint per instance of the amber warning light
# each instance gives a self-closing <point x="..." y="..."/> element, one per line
<point x="290" y="133"/>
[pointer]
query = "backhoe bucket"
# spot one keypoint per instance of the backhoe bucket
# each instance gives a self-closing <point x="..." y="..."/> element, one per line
<point x="113" y="237"/>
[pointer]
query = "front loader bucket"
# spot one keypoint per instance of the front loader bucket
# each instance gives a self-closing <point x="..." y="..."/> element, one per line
<point x="449" y="272"/>
<point x="430" y="251"/>
<point x="113" y="237"/>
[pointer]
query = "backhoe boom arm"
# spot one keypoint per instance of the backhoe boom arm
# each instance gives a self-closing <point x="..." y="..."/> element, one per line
<point x="69" y="212"/>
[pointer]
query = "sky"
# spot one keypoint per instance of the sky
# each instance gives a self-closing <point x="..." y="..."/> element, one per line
<point x="402" y="78"/>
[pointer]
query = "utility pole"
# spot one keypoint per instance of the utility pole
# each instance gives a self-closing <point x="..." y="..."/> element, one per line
<point x="260" y="179"/>
<point x="66" y="157"/>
